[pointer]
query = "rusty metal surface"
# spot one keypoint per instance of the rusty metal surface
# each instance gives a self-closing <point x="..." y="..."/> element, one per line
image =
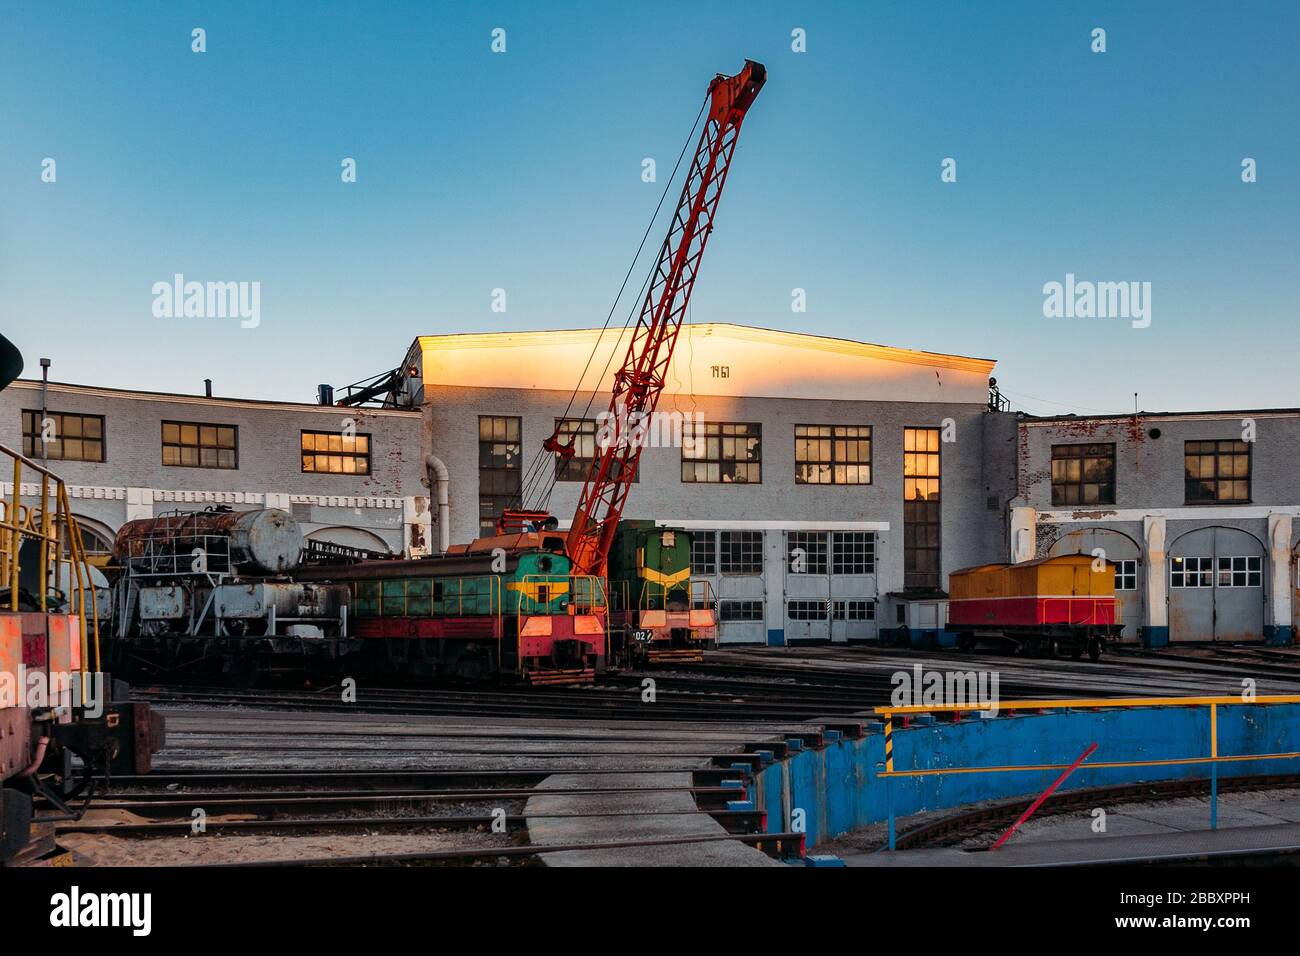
<point x="15" y="740"/>
<point x="267" y="540"/>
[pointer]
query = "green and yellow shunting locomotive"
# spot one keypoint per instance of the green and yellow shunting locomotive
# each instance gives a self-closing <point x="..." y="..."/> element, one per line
<point x="657" y="614"/>
<point x="515" y="611"/>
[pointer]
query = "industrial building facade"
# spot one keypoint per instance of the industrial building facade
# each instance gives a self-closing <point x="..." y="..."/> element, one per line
<point x="821" y="478"/>
<point x="1198" y="509"/>
<point x="352" y="476"/>
<point x="830" y="486"/>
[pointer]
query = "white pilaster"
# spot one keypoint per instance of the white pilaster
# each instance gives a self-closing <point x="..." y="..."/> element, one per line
<point x="1153" y="555"/>
<point x="1024" y="534"/>
<point x="1279" y="565"/>
<point x="139" y="503"/>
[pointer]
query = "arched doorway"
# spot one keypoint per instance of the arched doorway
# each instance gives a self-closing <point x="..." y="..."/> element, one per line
<point x="1216" y="585"/>
<point x="1130" y="572"/>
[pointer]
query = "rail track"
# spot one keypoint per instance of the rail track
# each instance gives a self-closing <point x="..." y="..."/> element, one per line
<point x="991" y="820"/>
<point x="718" y="692"/>
<point x="289" y="803"/>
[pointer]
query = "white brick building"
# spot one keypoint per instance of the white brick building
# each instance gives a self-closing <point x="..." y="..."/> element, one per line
<point x="128" y="454"/>
<point x="811" y="440"/>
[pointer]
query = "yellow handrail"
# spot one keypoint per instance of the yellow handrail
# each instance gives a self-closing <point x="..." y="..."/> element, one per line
<point x="1088" y="703"/>
<point x="46" y="525"/>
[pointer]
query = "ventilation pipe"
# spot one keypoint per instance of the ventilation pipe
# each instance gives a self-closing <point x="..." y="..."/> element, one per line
<point x="439" y="480"/>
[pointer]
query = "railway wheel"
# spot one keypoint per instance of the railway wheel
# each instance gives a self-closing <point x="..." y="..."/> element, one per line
<point x="1095" y="646"/>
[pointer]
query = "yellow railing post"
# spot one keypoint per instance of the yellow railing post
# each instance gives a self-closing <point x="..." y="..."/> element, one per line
<point x="45" y="542"/>
<point x="15" y="538"/>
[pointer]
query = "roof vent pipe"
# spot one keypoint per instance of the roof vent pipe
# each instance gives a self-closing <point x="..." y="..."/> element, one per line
<point x="439" y="480"/>
<point x="207" y="387"/>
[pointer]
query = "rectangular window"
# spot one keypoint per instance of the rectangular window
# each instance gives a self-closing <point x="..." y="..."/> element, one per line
<point x="1126" y="575"/>
<point x="857" y="610"/>
<point x="1191" y="572"/>
<point x="722" y="453"/>
<point x="582" y="433"/>
<point x="196" y="445"/>
<point x="1216" y="472"/>
<point x="806" y="610"/>
<point x="1240" y="572"/>
<point x="740" y="611"/>
<point x="704" y="552"/>
<point x="500" y="449"/>
<point x="807" y="552"/>
<point x="832" y="454"/>
<point x="921" y="508"/>
<point x="335" y="453"/>
<point x="740" y="552"/>
<point x="853" y="552"/>
<point x="63" y="436"/>
<point x="1083" y="474"/>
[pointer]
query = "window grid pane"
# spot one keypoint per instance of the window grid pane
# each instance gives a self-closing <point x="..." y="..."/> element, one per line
<point x="704" y="552"/>
<point x="853" y="552"/>
<point x="63" y="436"/>
<point x="195" y="445"/>
<point x="1083" y="474"/>
<point x="1126" y="575"/>
<point x="740" y="552"/>
<point x="807" y="610"/>
<point x="921" y="508"/>
<point x="1216" y="472"/>
<point x="722" y="453"/>
<point x="582" y="433"/>
<point x="832" y="454"/>
<point x="749" y="610"/>
<point x="332" y="453"/>
<point x="500" y="450"/>
<point x="855" y="610"/>
<point x="807" y="552"/>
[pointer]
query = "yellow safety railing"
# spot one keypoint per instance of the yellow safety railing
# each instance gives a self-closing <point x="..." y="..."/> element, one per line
<point x="49" y="522"/>
<point x="1213" y="759"/>
<point x="1097" y="703"/>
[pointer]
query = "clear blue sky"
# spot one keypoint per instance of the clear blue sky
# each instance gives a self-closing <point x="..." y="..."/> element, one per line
<point x="522" y="171"/>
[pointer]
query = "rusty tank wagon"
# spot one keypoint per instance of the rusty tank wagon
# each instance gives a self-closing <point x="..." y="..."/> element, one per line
<point x="211" y="591"/>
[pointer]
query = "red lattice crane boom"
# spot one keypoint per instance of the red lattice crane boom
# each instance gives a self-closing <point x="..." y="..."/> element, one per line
<point x="639" y="382"/>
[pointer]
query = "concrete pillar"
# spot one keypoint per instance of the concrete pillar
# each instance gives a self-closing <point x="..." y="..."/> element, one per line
<point x="1278" y="630"/>
<point x="1155" y="629"/>
<point x="139" y="503"/>
<point x="774" y="563"/>
<point x="1024" y="534"/>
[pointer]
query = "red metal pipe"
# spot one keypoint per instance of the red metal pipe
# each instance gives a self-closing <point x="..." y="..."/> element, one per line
<point x="1046" y="793"/>
<point x="41" y="746"/>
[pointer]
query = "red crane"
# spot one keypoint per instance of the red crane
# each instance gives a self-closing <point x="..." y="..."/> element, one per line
<point x="639" y="382"/>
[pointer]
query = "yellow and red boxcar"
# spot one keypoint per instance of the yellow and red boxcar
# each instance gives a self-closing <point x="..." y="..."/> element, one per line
<point x="1049" y="605"/>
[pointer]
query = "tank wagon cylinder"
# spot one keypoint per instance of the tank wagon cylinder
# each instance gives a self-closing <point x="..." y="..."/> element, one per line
<point x="265" y="541"/>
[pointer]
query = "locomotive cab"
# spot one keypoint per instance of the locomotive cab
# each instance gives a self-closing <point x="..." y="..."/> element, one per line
<point x="657" y="613"/>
